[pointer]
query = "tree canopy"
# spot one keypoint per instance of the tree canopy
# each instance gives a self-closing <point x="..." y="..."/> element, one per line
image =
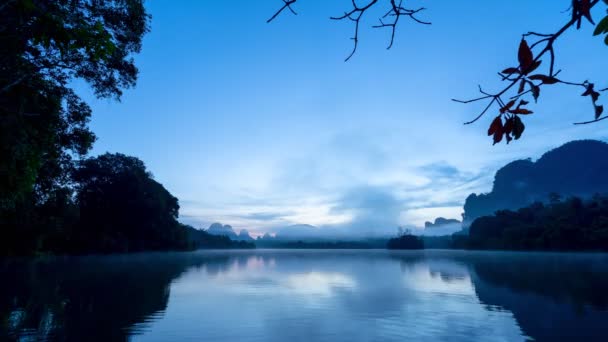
<point x="46" y="45"/>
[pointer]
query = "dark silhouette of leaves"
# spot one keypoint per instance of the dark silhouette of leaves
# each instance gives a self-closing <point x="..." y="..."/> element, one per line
<point x="524" y="56"/>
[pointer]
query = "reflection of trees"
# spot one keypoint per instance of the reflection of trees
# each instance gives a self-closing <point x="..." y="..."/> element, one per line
<point x="552" y="296"/>
<point x="92" y="298"/>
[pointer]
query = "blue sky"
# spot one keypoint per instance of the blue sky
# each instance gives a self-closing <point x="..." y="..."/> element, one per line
<point x="263" y="125"/>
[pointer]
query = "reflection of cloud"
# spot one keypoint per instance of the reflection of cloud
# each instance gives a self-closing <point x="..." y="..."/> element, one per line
<point x="317" y="283"/>
<point x="434" y="277"/>
<point x="266" y="216"/>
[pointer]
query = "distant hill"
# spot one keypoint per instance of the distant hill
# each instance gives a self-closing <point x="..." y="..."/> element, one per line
<point x="297" y="231"/>
<point x="226" y="230"/>
<point x="203" y="239"/>
<point x="578" y="168"/>
<point x="441" y="226"/>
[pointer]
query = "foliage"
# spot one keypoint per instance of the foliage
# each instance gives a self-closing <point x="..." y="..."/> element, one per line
<point x="46" y="45"/>
<point x="405" y="241"/>
<point x="574" y="224"/>
<point x="199" y="239"/>
<point x="123" y="209"/>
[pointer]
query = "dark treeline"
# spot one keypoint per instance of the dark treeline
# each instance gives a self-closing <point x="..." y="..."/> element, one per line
<point x="405" y="241"/>
<point x="572" y="224"/>
<point x="320" y="244"/>
<point x="112" y="204"/>
<point x="53" y="199"/>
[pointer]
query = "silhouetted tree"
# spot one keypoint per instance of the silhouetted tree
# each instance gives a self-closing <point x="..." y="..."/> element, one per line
<point x="45" y="46"/>
<point x="405" y="240"/>
<point x="572" y="224"/>
<point x="122" y="208"/>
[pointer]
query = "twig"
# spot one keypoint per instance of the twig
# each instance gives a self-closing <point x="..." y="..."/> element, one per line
<point x="287" y="5"/>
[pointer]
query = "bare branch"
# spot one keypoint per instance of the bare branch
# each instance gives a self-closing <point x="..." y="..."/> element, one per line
<point x="396" y="12"/>
<point x="286" y="5"/>
<point x="590" y="122"/>
<point x="356" y="13"/>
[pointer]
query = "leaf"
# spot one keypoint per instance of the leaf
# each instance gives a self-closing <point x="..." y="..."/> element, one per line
<point x="495" y="126"/>
<point x="523" y="102"/>
<point x="524" y="56"/>
<point x="594" y="96"/>
<point x="535" y="92"/>
<point x="523" y="111"/>
<point x="518" y="127"/>
<point x="588" y="89"/>
<point x="508" y="128"/>
<point x="602" y="27"/>
<point x="585" y="9"/>
<point x="533" y="67"/>
<point x="544" y="78"/>
<point x="497" y="137"/>
<point x="606" y="40"/>
<point x="522" y="84"/>
<point x="598" y="111"/>
<point x="510" y="71"/>
<point x="507" y="106"/>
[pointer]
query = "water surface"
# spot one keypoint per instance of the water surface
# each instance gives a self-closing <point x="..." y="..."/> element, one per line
<point x="307" y="295"/>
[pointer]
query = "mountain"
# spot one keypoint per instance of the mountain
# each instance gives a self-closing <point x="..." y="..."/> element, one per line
<point x="219" y="229"/>
<point x="297" y="231"/>
<point x="244" y="235"/>
<point x="578" y="168"/>
<point x="441" y="226"/>
<point x="440" y="222"/>
<point x="227" y="230"/>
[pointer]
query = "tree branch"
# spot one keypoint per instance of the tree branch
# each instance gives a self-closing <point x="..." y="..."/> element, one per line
<point x="521" y="77"/>
<point x="287" y="5"/>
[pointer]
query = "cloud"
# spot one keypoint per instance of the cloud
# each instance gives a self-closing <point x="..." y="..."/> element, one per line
<point x="267" y="216"/>
<point x="374" y="210"/>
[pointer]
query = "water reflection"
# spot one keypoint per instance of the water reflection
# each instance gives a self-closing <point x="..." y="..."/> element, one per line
<point x="307" y="295"/>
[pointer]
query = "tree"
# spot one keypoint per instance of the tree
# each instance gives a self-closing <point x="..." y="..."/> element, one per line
<point x="123" y="209"/>
<point x="521" y="82"/>
<point x="45" y="46"/>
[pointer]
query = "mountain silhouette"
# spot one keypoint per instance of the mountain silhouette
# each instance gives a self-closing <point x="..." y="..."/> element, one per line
<point x="577" y="168"/>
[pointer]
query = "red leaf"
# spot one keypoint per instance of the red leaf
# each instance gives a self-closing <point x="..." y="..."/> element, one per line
<point x="507" y="106"/>
<point x="510" y="71"/>
<point x="585" y="9"/>
<point x="495" y="126"/>
<point x="518" y="127"/>
<point x="521" y="111"/>
<point x="535" y="92"/>
<point x="544" y="78"/>
<point x="522" y="84"/>
<point x="497" y="137"/>
<point x="508" y="128"/>
<point x="525" y="56"/>
<point x="533" y="67"/>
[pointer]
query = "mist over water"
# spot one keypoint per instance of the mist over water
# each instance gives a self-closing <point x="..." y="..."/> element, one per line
<point x="300" y="295"/>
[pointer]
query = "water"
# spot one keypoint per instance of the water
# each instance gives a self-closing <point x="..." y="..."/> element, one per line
<point x="314" y="295"/>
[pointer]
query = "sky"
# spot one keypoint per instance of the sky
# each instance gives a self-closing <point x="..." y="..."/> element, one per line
<point x="261" y="126"/>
